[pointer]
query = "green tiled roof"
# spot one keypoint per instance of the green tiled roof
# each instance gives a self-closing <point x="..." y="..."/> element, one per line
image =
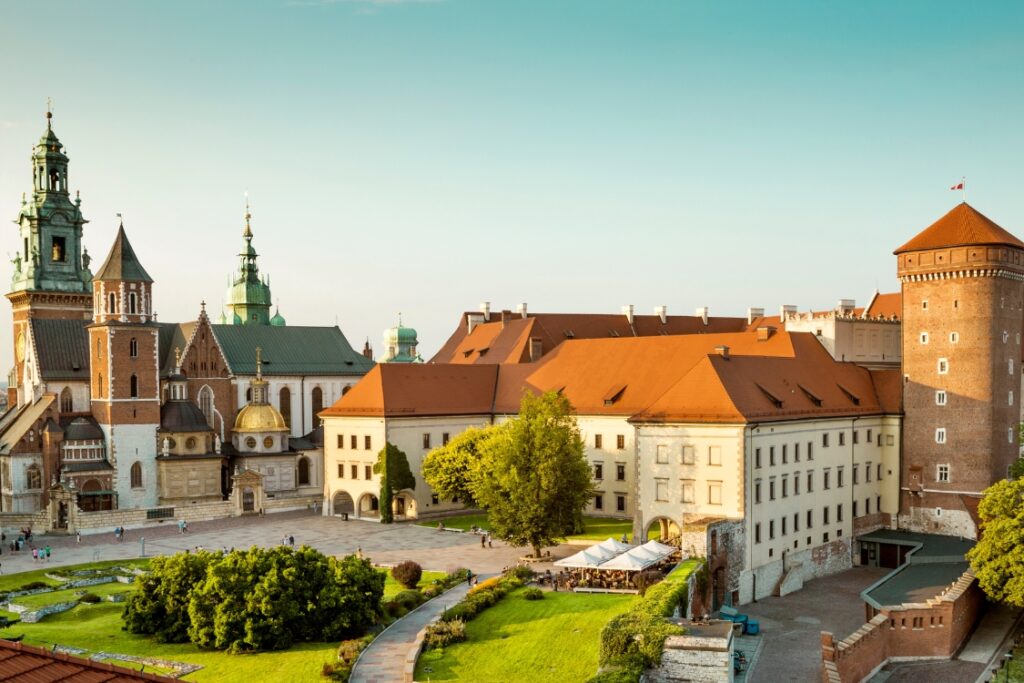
<point x="289" y="350"/>
<point x="63" y="348"/>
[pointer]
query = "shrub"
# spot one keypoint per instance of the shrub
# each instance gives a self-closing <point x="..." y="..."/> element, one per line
<point x="444" y="633"/>
<point x="628" y="671"/>
<point x="486" y="585"/>
<point x="533" y="594"/>
<point x="522" y="572"/>
<point x="635" y="634"/>
<point x="90" y="598"/>
<point x="432" y="591"/>
<point x="404" y="602"/>
<point x="646" y="579"/>
<point x="34" y="585"/>
<point x="407" y="573"/>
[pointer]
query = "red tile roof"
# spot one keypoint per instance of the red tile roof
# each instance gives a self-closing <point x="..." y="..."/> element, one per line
<point x="20" y="662"/>
<point x="885" y="305"/>
<point x="963" y="225"/>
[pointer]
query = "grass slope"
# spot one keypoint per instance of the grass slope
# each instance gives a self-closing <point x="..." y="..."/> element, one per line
<point x="595" y="528"/>
<point x="555" y="639"/>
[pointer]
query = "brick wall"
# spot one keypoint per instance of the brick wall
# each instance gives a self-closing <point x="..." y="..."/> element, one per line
<point x="934" y="629"/>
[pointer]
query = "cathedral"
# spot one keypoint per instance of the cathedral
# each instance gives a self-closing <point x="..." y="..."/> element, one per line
<point x="127" y="412"/>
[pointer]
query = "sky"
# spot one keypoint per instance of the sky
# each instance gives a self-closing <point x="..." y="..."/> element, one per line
<point x="422" y="156"/>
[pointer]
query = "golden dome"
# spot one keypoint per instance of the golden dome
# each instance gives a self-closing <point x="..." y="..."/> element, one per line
<point x="260" y="417"/>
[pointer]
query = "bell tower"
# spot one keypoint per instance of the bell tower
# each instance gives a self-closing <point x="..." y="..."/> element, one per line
<point x="51" y="277"/>
<point x="248" y="297"/>
<point x="124" y="372"/>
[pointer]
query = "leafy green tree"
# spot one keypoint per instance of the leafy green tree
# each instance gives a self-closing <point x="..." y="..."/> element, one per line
<point x="448" y="469"/>
<point x="395" y="475"/>
<point x="533" y="478"/>
<point x="160" y="605"/>
<point x="998" y="557"/>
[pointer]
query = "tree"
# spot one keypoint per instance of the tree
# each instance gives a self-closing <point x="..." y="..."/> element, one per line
<point x="395" y="475"/>
<point x="448" y="469"/>
<point x="160" y="605"/>
<point x="533" y="478"/>
<point x="998" y="557"/>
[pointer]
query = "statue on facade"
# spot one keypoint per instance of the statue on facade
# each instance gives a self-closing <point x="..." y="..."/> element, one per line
<point x="86" y="259"/>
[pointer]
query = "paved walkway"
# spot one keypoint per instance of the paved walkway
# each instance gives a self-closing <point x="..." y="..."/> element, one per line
<point x="384" y="660"/>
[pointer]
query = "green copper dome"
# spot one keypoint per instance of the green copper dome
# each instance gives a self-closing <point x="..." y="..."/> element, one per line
<point x="277" y="320"/>
<point x="248" y="296"/>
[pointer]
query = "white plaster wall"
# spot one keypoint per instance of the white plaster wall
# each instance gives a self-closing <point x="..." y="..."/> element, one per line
<point x="346" y="456"/>
<point x="610" y="455"/>
<point x="127" y="444"/>
<point x="301" y="387"/>
<point x="80" y="399"/>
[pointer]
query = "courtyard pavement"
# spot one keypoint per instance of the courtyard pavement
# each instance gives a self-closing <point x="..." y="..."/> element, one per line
<point x="792" y="626"/>
<point x="382" y="543"/>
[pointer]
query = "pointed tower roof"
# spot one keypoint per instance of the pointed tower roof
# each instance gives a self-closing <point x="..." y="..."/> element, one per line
<point x="962" y="226"/>
<point x="121" y="263"/>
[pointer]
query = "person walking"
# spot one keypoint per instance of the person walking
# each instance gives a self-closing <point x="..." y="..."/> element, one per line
<point x="35" y="555"/>
<point x="78" y="536"/>
<point x="47" y="553"/>
<point x="483" y="540"/>
<point x="490" y="541"/>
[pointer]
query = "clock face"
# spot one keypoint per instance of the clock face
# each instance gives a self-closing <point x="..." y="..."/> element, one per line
<point x="19" y="347"/>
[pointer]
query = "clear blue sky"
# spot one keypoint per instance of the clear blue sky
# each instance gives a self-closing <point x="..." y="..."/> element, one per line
<point x="422" y="156"/>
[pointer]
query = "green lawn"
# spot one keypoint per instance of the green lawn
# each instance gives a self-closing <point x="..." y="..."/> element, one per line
<point x="43" y="599"/>
<point x="555" y="639"/>
<point x="12" y="582"/>
<point x="393" y="588"/>
<point x="595" y="528"/>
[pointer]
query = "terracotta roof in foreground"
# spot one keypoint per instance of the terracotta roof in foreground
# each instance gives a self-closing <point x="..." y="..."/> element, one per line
<point x="20" y="662"/>
<point x="962" y="226"/>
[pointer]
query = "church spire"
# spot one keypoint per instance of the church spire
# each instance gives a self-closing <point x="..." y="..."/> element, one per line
<point x="248" y="299"/>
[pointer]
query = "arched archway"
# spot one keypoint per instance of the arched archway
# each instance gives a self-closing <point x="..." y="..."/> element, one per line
<point x="369" y="506"/>
<point x="318" y="404"/>
<point x="403" y="505"/>
<point x="304" y="471"/>
<point x="136" y="475"/>
<point x="248" y="499"/>
<point x="342" y="503"/>
<point x="285" y="400"/>
<point x="662" y="529"/>
<point x="206" y="403"/>
<point x="67" y="404"/>
<point x="92" y="498"/>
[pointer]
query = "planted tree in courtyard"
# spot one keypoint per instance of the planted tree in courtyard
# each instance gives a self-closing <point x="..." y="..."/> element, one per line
<point x="998" y="557"/>
<point x="159" y="607"/>
<point x="449" y="469"/>
<point x="533" y="478"/>
<point x="395" y="475"/>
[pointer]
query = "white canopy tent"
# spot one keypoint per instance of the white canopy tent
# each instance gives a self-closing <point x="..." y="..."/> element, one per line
<point x="654" y="546"/>
<point x="587" y="559"/>
<point x="630" y="562"/>
<point x="612" y="544"/>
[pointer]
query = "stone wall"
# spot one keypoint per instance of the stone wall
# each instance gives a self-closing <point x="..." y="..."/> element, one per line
<point x="104" y="521"/>
<point x="13" y="521"/>
<point x="931" y="630"/>
<point x="694" y="659"/>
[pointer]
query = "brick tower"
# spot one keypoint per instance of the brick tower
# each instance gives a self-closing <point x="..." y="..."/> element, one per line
<point x="51" y="276"/>
<point x="124" y="372"/>
<point x="963" y="292"/>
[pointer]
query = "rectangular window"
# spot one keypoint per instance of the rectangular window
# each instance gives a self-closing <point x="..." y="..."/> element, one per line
<point x="355" y="471"/>
<point x="426" y="440"/>
<point x="368" y="471"/>
<point x="353" y="441"/>
<point x="341" y="441"/>
<point x="771" y="456"/>
<point x="867" y="506"/>
<point x="434" y="499"/>
<point x="867" y="473"/>
<point x="785" y="487"/>
<point x="810" y="519"/>
<point x="824" y="515"/>
<point x="940" y="435"/>
<point x="757" y="458"/>
<point x="856" y="476"/>
<point x="796" y="522"/>
<point x="839" y="512"/>
<point x="810" y="481"/>
<point x="597" y="440"/>
<point x="924" y="337"/>
<point x="856" y="436"/>
<point x="598" y="502"/>
<point x="688" y="491"/>
<point x="824" y="537"/>
<point x="771" y="490"/>
<point x="869" y="436"/>
<point x="620" y="472"/>
<point x="824" y="440"/>
<point x="661" y="490"/>
<point x="954" y="337"/>
<point x="688" y="457"/>
<point x="826" y="482"/>
<point x="620" y="503"/>
<point x="940" y="397"/>
<point x="784" y="520"/>
<point x="341" y="471"/>
<point x="598" y="471"/>
<point x="366" y="442"/>
<point x="714" y="455"/>
<point x="620" y="442"/>
<point x="839" y="477"/>
<point x="796" y="452"/>
<point x="878" y="471"/>
<point x="715" y="492"/>
<point x="810" y="450"/>
<point x="842" y="438"/>
<point x="878" y="503"/>
<point x="924" y="305"/>
<point x="796" y="484"/>
<point x="771" y="529"/>
<point x="942" y="473"/>
<point x="444" y="438"/>
<point x="890" y="440"/>
<point x="943" y="366"/>
<point x="662" y="454"/>
<point x="757" y="532"/>
<point x="785" y="454"/>
<point x="757" y="491"/>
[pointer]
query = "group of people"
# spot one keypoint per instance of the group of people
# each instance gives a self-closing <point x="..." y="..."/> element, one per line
<point x="182" y="526"/>
<point x="119" y="534"/>
<point x="288" y="541"/>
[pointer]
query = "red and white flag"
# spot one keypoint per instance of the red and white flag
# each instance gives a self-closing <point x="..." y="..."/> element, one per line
<point x="958" y="186"/>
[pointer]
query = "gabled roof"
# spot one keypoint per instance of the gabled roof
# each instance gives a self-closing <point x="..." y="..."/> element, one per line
<point x="62" y="348"/>
<point x="289" y="350"/>
<point x="26" y="416"/>
<point x="885" y="305"/>
<point x="20" y="662"/>
<point x="172" y="336"/>
<point x="122" y="263"/>
<point x="509" y="341"/>
<point x="961" y="226"/>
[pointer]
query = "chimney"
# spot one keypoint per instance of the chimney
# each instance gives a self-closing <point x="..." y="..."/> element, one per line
<point x="764" y="332"/>
<point x="505" y="315"/>
<point x="702" y="312"/>
<point x="846" y="306"/>
<point x="661" y="312"/>
<point x="521" y="309"/>
<point x="722" y="351"/>
<point x="485" y="308"/>
<point x="786" y="310"/>
<point x="628" y="312"/>
<point x="472" y="320"/>
<point x="754" y="313"/>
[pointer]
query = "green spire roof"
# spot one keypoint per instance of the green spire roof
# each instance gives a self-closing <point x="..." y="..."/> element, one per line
<point x="278" y="319"/>
<point x="248" y="296"/>
<point x="122" y="263"/>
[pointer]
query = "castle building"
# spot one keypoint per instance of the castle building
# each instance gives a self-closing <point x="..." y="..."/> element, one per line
<point x="962" y="316"/>
<point x="99" y="404"/>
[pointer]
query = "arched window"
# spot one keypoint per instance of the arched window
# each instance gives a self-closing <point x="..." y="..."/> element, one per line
<point x="99" y="348"/>
<point x="345" y="389"/>
<point x="136" y="475"/>
<point x="33" y="477"/>
<point x="248" y="395"/>
<point x="99" y="386"/>
<point x="303" y="471"/>
<point x="111" y="303"/>
<point x="133" y="348"/>
<point x="206" y="404"/>
<point x="131" y="302"/>
<point x="285" y="397"/>
<point x="318" y="403"/>
<point x="66" y="403"/>
<point x="134" y="387"/>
